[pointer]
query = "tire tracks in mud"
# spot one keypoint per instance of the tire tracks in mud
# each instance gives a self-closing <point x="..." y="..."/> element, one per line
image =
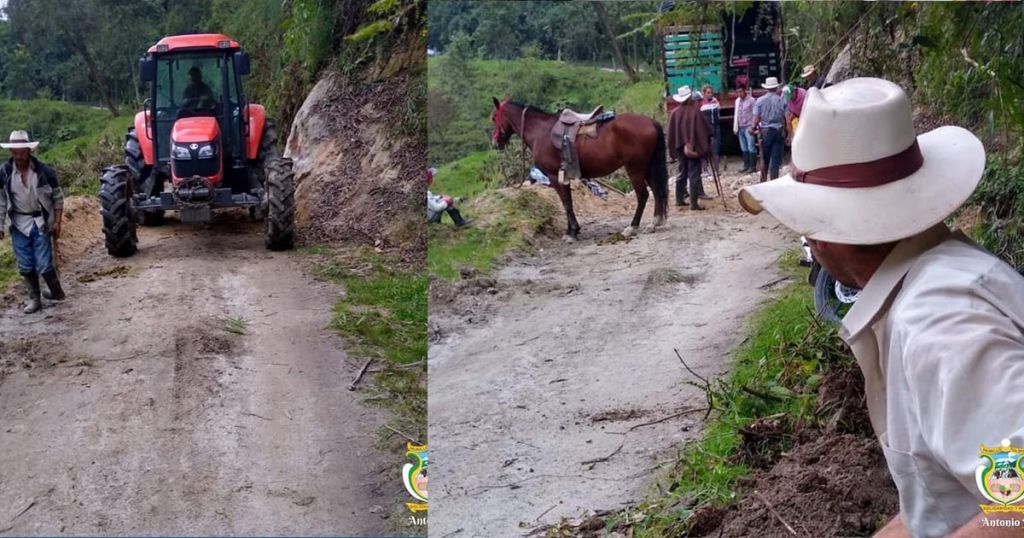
<point x="141" y="414"/>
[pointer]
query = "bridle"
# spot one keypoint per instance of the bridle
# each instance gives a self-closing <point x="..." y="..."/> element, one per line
<point x="498" y="132"/>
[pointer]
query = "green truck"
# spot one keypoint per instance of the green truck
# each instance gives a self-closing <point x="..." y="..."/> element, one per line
<point x="743" y="48"/>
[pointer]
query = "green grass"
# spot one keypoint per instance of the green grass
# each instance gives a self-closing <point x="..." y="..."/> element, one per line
<point x="468" y="176"/>
<point x="383" y="316"/>
<point x="8" y="265"/>
<point x="506" y="221"/>
<point x="783" y="360"/>
<point x="77" y="140"/>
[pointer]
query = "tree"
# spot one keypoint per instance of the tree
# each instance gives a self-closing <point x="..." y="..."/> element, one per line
<point x="613" y="41"/>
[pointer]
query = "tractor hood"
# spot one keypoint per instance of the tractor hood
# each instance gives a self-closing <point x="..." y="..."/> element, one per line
<point x="199" y="130"/>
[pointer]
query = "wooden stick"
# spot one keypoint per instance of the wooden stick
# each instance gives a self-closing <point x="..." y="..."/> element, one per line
<point x="360" y="375"/>
<point x="402" y="434"/>
<point x="774" y="513"/>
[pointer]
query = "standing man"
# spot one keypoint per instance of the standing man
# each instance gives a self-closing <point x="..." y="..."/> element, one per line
<point x="689" y="139"/>
<point x="770" y="119"/>
<point x="938" y="330"/>
<point x="811" y="78"/>
<point x="742" y="122"/>
<point x="33" y="201"/>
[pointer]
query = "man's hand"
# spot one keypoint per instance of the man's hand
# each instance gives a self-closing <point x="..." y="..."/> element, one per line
<point x="56" y="229"/>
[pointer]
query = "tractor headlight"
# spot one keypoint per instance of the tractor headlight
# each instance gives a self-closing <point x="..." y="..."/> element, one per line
<point x="181" y="152"/>
<point x="207" y="151"/>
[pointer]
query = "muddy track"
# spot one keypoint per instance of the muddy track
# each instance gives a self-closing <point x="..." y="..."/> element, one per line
<point x="555" y="389"/>
<point x="130" y="409"/>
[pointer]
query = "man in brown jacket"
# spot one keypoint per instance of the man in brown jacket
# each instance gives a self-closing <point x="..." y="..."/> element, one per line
<point x="689" y="138"/>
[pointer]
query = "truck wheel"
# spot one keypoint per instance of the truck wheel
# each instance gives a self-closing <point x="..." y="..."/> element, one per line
<point x="134" y="159"/>
<point x="280" y="203"/>
<point x="116" y="210"/>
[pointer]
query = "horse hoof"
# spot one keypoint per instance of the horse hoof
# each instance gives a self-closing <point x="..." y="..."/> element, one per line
<point x="629" y="231"/>
<point x="650" y="228"/>
<point x="568" y="239"/>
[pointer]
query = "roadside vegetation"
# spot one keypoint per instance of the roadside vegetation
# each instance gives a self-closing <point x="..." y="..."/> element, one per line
<point x="383" y="317"/>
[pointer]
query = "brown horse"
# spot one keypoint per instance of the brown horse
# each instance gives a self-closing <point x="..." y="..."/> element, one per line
<point x="631" y="140"/>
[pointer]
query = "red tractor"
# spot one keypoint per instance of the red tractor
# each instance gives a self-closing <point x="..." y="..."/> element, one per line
<point x="197" y="146"/>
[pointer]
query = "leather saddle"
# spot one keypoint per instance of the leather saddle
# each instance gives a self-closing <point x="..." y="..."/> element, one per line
<point x="570" y="125"/>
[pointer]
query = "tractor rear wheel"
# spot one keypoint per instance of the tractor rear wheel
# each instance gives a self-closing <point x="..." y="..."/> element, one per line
<point x="280" y="203"/>
<point x="116" y="209"/>
<point x="134" y="159"/>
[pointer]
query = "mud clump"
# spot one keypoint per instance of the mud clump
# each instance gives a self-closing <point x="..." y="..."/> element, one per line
<point x="618" y="415"/>
<point x="841" y="400"/>
<point x="658" y="278"/>
<point x="763" y="442"/>
<point x="35" y="353"/>
<point x="117" y="271"/>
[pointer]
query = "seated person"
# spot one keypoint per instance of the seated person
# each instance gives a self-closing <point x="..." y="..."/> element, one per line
<point x="438" y="204"/>
<point x="197" y="95"/>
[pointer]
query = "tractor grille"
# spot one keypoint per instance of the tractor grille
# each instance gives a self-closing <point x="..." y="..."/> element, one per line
<point x="195" y="167"/>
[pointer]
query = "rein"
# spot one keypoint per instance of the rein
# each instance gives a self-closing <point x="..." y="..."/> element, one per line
<point x="522" y="137"/>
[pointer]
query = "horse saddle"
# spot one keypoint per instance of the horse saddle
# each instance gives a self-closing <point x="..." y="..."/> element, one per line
<point x="570" y="125"/>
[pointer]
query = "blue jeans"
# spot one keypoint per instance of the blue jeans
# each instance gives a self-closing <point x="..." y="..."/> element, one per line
<point x="774" y="143"/>
<point x="748" y="144"/>
<point x="34" y="252"/>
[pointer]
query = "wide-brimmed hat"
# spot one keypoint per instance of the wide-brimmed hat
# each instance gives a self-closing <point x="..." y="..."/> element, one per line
<point x="18" y="140"/>
<point x="861" y="175"/>
<point x="808" y="69"/>
<point x="682" y="94"/>
<point x="770" y="83"/>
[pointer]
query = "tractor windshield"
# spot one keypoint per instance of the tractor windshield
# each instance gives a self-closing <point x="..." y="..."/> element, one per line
<point x="197" y="85"/>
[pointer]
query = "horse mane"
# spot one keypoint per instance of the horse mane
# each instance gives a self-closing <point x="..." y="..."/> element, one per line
<point x="533" y="108"/>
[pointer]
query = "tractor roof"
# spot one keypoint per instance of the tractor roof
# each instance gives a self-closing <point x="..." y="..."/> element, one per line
<point x="194" y="42"/>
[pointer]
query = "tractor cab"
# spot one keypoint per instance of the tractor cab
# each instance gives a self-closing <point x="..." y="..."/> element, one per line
<point x="197" y="146"/>
<point x="195" y="112"/>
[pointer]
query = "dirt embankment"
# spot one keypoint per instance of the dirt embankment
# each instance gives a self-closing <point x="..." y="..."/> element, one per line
<point x="359" y="174"/>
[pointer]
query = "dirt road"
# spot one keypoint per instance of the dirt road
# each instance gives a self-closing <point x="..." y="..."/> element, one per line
<point x="130" y="409"/>
<point x="545" y="387"/>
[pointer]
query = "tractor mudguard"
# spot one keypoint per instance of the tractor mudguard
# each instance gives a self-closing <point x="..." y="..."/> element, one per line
<point x="145" y="142"/>
<point x="257" y="119"/>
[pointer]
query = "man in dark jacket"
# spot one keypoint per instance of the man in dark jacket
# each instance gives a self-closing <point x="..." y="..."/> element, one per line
<point x="689" y="139"/>
<point x="34" y="202"/>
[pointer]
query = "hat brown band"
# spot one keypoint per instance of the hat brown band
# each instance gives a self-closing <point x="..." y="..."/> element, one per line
<point x="869" y="174"/>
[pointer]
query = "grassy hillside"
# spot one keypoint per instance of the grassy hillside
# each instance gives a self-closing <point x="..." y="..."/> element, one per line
<point x="78" y="141"/>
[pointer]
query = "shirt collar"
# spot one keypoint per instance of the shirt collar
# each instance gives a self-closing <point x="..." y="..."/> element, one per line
<point x="887" y="277"/>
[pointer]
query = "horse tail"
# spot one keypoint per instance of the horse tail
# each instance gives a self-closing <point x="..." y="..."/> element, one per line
<point x="657" y="174"/>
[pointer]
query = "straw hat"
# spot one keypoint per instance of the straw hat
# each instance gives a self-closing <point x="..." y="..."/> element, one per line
<point x="770" y="83"/>
<point x="861" y="175"/>
<point x="682" y="94"/>
<point x="808" y="69"/>
<point x="18" y="140"/>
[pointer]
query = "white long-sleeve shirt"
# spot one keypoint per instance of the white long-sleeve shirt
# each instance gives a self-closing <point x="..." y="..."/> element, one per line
<point x="938" y="332"/>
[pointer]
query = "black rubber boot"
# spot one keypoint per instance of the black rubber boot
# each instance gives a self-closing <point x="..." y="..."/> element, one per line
<point x="55" y="291"/>
<point x="681" y="194"/>
<point x="457" y="218"/>
<point x="748" y="164"/>
<point x="32" y="285"/>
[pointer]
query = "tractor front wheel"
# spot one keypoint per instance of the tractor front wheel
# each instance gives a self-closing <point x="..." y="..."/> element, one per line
<point x="134" y="159"/>
<point x="116" y="210"/>
<point x="280" y="203"/>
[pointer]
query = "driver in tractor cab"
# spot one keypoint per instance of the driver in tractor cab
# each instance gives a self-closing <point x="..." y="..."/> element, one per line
<point x="198" y="94"/>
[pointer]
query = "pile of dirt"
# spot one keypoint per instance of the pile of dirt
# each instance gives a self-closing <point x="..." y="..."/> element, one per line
<point x="359" y="178"/>
<point x="835" y="485"/>
<point x="80" y="228"/>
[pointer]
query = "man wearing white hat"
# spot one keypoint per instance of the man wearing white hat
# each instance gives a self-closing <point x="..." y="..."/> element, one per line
<point x="34" y="202"/>
<point x="770" y="120"/>
<point x="688" y="138"/>
<point x="810" y="75"/>
<point x="938" y="330"/>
